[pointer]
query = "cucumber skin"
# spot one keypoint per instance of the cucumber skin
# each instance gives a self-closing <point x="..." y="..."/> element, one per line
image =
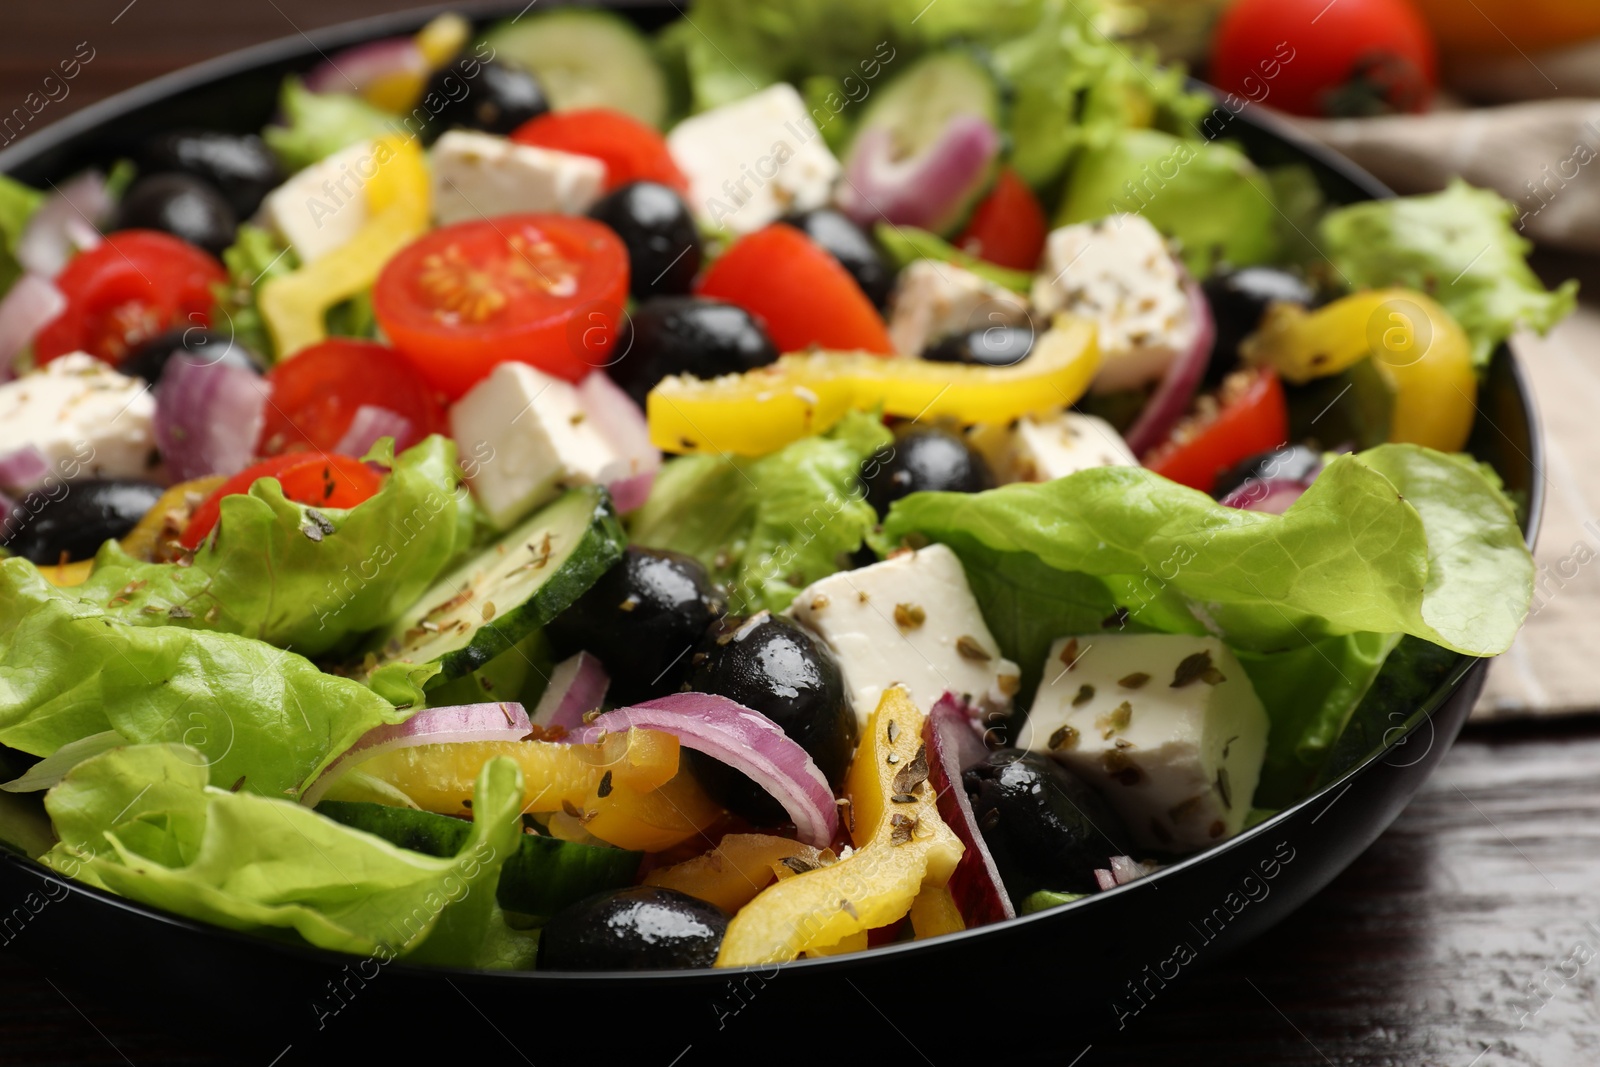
<point x="613" y="22"/>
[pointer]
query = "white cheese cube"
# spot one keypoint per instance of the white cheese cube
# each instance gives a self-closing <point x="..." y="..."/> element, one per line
<point x="933" y="300"/>
<point x="1166" y="726"/>
<point x="87" y="420"/>
<point x="524" y="437"/>
<point x="912" y="621"/>
<point x="753" y="161"/>
<point x="478" y="175"/>
<point x="1119" y="273"/>
<point x="1042" y="450"/>
<point x="322" y="208"/>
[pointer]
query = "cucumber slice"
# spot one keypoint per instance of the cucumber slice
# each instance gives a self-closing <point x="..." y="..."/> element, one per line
<point x="916" y="106"/>
<point x="511" y="589"/>
<point x="543" y="876"/>
<point x="587" y="58"/>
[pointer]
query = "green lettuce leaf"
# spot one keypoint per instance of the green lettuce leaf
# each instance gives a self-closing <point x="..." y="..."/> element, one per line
<point x="319" y="124"/>
<point x="905" y="244"/>
<point x="255" y="258"/>
<point x="18" y="202"/>
<point x="766" y="527"/>
<point x="1457" y="246"/>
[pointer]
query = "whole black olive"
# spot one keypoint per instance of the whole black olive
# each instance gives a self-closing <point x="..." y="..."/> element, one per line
<point x="1238" y="301"/>
<point x="206" y="347"/>
<point x="662" y="240"/>
<point x="1046" y="828"/>
<point x="182" y="205"/>
<point x="687" y="335"/>
<point x="239" y="166"/>
<point x="640" y="928"/>
<point x="76" y="518"/>
<point x="922" y="458"/>
<point x="773" y="665"/>
<point x="1291" y="463"/>
<point x="857" y="252"/>
<point x="642" y="619"/>
<point x="481" y="94"/>
<point x="993" y="346"/>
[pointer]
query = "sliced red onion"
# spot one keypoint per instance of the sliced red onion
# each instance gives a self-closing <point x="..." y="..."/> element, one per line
<point x="1272" y="496"/>
<point x="66" y="223"/>
<point x="208" y="417"/>
<point x="1184" y="375"/>
<point x="431" y="726"/>
<point x="1125" y="869"/>
<point x="7" y="506"/>
<point x="1105" y="878"/>
<point x="369" y="424"/>
<point x="23" y="469"/>
<point x="357" y="69"/>
<point x="577" y="685"/>
<point x="747" y="741"/>
<point x="619" y="420"/>
<point x="953" y="747"/>
<point x="926" y="190"/>
<point x="31" y="303"/>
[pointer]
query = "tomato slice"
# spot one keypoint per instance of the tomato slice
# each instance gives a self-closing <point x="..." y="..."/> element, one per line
<point x="800" y="291"/>
<point x="317" y="392"/>
<point x="1253" y="417"/>
<point x="631" y="150"/>
<point x="1008" y="227"/>
<point x="127" y="289"/>
<point x="544" y="289"/>
<point x="307" y="478"/>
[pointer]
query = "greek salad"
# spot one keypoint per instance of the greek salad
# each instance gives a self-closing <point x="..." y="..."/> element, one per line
<point x="818" y="476"/>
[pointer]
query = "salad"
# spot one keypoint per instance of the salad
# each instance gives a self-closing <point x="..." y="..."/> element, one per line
<point x="823" y="475"/>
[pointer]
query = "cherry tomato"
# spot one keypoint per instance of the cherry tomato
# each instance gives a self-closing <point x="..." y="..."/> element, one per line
<point x="1008" y="228"/>
<point x="631" y="150"/>
<point x="1341" y="60"/>
<point x="544" y="289"/>
<point x="314" y="479"/>
<point x="132" y="286"/>
<point x="1253" y="417"/>
<point x="800" y="291"/>
<point x="317" y="392"/>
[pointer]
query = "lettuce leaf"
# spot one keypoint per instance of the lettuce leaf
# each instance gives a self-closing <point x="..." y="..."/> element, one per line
<point x="316" y="125"/>
<point x="18" y="202"/>
<point x="906" y="244"/>
<point x="766" y="527"/>
<point x="255" y="258"/>
<point x="1457" y="246"/>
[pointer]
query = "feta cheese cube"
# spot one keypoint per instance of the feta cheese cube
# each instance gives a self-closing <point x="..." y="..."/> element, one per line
<point x="753" y="161"/>
<point x="87" y="420"/>
<point x="322" y="208"/>
<point x="1119" y="273"/>
<point x="524" y="437"/>
<point x="1042" y="450"/>
<point x="933" y="300"/>
<point x="478" y="175"/>
<point x="1166" y="726"/>
<point x="912" y="621"/>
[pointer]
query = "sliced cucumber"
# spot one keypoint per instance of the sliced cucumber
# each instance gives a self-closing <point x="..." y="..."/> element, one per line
<point x="916" y="106"/>
<point x="587" y="58"/>
<point x="543" y="876"/>
<point x="511" y="589"/>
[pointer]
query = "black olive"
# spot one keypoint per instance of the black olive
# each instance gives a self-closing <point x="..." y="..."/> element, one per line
<point x="182" y="205"/>
<point x="149" y="360"/>
<point x="481" y="94"/>
<point x="76" y="518"/>
<point x="773" y="665"/>
<point x="1291" y="463"/>
<point x="642" y="618"/>
<point x="637" y="929"/>
<point x="662" y="240"/>
<point x="1045" y="827"/>
<point x="1238" y="301"/>
<point x="239" y="166"/>
<point x="992" y="346"/>
<point x="687" y="335"/>
<point x="857" y="252"/>
<point x="922" y="458"/>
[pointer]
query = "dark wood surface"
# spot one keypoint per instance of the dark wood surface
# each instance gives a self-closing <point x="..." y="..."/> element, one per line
<point x="1467" y="936"/>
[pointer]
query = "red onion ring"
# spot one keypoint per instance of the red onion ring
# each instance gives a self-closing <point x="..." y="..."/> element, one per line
<point x="1184" y="375"/>
<point x="953" y="746"/>
<point x="356" y="69"/>
<point x="31" y="303"/>
<point x="925" y="190"/>
<point x="66" y="223"/>
<point x="23" y="469"/>
<point x="1271" y="496"/>
<point x="624" y="426"/>
<point x="208" y="416"/>
<point x="577" y="685"/>
<point x="371" y="423"/>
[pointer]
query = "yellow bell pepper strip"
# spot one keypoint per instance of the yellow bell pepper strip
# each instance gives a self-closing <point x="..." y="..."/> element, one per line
<point x="901" y="847"/>
<point x="66" y="575"/>
<point x="856" y="942"/>
<point x="934" y="912"/>
<point x="762" y="410"/>
<point x="741" y="866"/>
<point x="154" y="538"/>
<point x="437" y="44"/>
<point x="1412" y="341"/>
<point x="295" y="305"/>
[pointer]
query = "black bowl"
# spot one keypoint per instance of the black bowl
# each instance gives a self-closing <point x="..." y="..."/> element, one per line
<point x="1054" y="980"/>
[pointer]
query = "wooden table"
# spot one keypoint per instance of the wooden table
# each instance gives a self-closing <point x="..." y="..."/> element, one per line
<point x="1467" y="936"/>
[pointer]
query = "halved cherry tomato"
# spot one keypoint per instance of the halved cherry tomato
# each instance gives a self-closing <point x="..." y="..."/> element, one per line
<point x="1248" y="416"/>
<point x="130" y="287"/>
<point x="1009" y="227"/>
<point x="631" y="151"/>
<point x="316" y="393"/>
<point x="800" y="291"/>
<point x="544" y="289"/>
<point x="307" y="478"/>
